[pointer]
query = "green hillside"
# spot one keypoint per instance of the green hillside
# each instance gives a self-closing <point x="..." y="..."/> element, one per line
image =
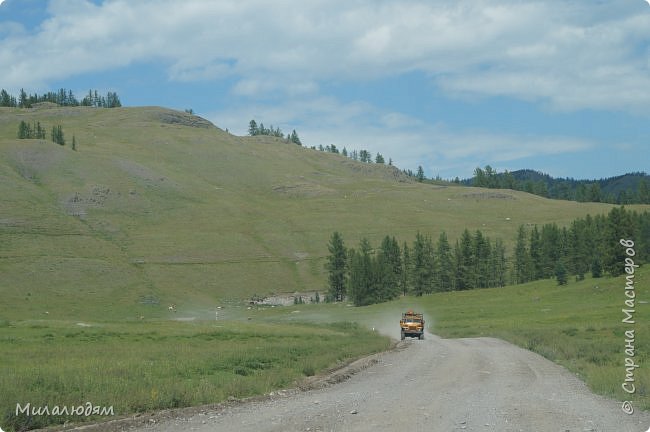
<point x="158" y="207"/>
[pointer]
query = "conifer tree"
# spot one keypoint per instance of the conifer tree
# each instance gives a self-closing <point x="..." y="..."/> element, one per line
<point x="295" y="139"/>
<point x="423" y="265"/>
<point x="389" y="263"/>
<point x="57" y="135"/>
<point x="499" y="264"/>
<point x="561" y="273"/>
<point x="406" y="269"/>
<point x="445" y="264"/>
<point x="521" y="269"/>
<point x="361" y="275"/>
<point x="420" y="175"/>
<point x="336" y="266"/>
<point x="619" y="226"/>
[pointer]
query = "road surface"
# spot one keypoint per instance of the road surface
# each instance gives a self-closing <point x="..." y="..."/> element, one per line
<point x="446" y="385"/>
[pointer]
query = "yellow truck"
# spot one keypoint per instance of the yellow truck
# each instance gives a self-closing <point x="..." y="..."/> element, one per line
<point x="412" y="325"/>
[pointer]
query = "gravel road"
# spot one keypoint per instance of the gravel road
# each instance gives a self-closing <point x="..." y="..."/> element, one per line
<point x="479" y="384"/>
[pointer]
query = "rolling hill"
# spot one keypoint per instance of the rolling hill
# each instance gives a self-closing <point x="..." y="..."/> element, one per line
<point x="158" y="207"/>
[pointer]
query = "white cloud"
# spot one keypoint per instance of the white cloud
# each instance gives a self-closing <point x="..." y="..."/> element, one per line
<point x="569" y="55"/>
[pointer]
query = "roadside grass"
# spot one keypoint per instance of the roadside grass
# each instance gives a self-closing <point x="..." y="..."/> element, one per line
<point x="140" y="367"/>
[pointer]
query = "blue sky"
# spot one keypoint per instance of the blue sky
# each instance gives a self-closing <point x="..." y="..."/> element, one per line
<point x="558" y="86"/>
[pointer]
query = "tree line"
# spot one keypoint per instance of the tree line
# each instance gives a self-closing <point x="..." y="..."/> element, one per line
<point x="367" y="275"/>
<point x="62" y="97"/>
<point x="366" y="157"/>
<point x="587" y="245"/>
<point x="254" y="129"/>
<point x="628" y="189"/>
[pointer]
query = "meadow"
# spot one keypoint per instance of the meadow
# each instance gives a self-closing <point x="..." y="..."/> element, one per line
<point x="142" y="367"/>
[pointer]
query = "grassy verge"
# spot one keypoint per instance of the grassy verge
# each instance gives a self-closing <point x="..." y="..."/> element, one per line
<point x="147" y="366"/>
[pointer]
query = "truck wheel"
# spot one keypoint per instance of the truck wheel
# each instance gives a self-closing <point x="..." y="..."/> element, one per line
<point x="402" y="333"/>
<point x="421" y="337"/>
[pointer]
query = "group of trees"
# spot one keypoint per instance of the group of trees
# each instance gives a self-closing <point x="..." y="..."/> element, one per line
<point x="587" y="245"/>
<point x="36" y="131"/>
<point x="366" y="275"/>
<point x="358" y="155"/>
<point x="63" y="97"/>
<point x="30" y="131"/>
<point x="627" y="189"/>
<point x="254" y="130"/>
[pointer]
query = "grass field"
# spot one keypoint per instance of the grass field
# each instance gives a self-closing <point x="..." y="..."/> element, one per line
<point x="142" y="367"/>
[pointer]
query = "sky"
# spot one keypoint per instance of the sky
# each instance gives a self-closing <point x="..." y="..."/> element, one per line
<point x="558" y="86"/>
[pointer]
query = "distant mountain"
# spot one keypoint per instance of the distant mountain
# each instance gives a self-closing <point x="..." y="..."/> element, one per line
<point x="631" y="188"/>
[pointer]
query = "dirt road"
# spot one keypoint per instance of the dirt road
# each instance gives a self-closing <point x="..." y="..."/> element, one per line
<point x="480" y="384"/>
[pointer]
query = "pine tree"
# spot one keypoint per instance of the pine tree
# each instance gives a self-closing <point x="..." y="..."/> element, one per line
<point x="406" y="269"/>
<point x="5" y="99"/>
<point x="499" y="264"/>
<point x="361" y="289"/>
<point x="23" y="130"/>
<point x="481" y="260"/>
<point x="466" y="275"/>
<point x="295" y="139"/>
<point x="379" y="159"/>
<point x="619" y="226"/>
<point x="336" y="266"/>
<point x="23" y="101"/>
<point x="549" y="249"/>
<point x="57" y="135"/>
<point x="445" y="264"/>
<point x="390" y="266"/>
<point x="423" y="263"/>
<point x="535" y="253"/>
<point x="522" y="257"/>
<point x="560" y="273"/>
<point x="420" y="175"/>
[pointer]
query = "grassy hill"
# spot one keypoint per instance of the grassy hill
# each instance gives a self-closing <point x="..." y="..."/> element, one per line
<point x="158" y="207"/>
